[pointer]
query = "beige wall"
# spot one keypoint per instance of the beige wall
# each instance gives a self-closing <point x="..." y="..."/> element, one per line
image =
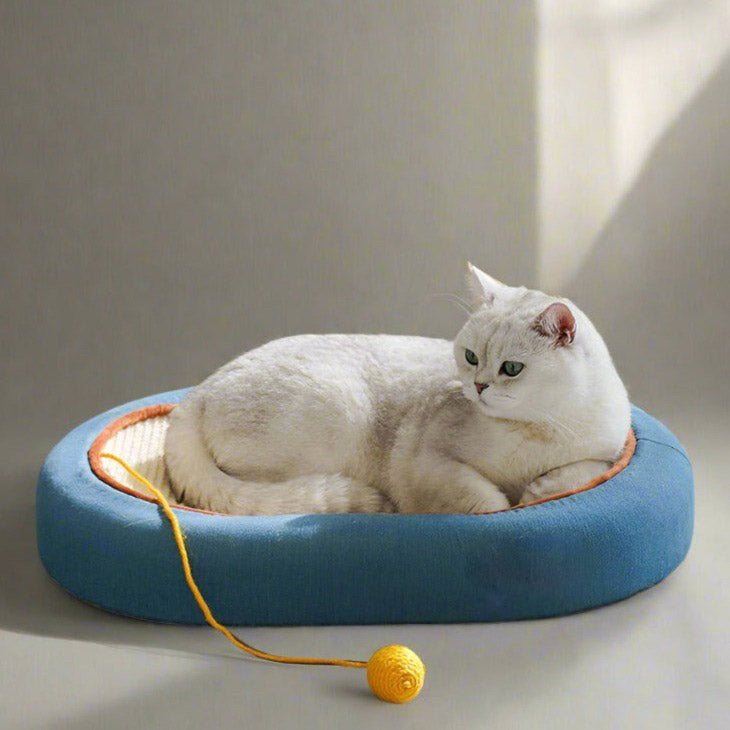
<point x="184" y="180"/>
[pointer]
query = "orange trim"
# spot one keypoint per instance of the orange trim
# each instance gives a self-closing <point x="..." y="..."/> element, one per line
<point x="162" y="409"/>
<point x="95" y="462"/>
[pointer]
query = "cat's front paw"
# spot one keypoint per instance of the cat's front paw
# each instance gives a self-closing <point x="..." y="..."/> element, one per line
<point x="544" y="486"/>
<point x="563" y="479"/>
<point x="493" y="503"/>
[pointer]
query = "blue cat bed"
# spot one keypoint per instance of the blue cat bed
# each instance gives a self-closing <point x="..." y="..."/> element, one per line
<point x="110" y="547"/>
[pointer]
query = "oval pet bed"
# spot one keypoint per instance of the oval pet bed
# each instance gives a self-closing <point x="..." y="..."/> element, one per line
<point x="106" y="542"/>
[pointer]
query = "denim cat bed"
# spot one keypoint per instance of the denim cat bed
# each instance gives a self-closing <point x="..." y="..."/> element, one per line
<point x="107" y="544"/>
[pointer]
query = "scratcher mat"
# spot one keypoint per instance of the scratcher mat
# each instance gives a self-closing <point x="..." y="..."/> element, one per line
<point x="141" y="445"/>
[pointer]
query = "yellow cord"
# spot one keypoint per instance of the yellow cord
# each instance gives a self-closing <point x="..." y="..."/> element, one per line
<point x="395" y="673"/>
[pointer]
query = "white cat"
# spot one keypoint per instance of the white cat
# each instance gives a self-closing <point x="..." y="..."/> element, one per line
<point x="524" y="404"/>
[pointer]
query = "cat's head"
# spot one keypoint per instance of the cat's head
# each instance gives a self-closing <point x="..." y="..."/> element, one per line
<point x="523" y="354"/>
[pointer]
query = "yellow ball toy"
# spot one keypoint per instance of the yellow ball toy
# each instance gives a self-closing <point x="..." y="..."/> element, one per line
<point x="396" y="673"/>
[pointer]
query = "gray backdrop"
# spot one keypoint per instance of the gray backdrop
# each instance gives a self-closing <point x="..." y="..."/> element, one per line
<point x="180" y="184"/>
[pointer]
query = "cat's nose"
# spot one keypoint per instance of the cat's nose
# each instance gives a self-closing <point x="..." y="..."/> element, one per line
<point x="481" y="386"/>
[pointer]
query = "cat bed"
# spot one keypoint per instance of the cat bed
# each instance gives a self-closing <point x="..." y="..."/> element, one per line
<point x="105" y="541"/>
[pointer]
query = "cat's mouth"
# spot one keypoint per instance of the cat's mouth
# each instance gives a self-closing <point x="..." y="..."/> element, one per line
<point x="496" y="403"/>
<point x="489" y="400"/>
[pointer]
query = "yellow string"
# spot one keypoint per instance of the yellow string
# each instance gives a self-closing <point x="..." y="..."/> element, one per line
<point x="180" y="542"/>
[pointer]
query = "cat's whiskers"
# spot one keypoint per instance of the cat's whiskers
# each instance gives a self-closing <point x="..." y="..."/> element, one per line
<point x="545" y="417"/>
<point x="557" y="424"/>
<point x="461" y="303"/>
<point x="560" y="426"/>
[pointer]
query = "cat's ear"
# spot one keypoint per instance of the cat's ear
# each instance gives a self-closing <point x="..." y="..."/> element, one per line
<point x="482" y="287"/>
<point x="558" y="323"/>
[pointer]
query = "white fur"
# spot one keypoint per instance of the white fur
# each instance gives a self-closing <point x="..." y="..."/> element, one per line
<point x="380" y="423"/>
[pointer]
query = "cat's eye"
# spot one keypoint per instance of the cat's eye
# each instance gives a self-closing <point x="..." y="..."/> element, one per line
<point x="471" y="358"/>
<point x="511" y="368"/>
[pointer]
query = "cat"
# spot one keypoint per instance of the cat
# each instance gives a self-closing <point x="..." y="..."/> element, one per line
<point x="525" y="403"/>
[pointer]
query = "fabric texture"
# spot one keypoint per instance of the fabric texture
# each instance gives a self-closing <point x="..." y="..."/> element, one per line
<point x="117" y="551"/>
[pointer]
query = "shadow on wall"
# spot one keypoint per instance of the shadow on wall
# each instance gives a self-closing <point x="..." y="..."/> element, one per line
<point x="657" y="282"/>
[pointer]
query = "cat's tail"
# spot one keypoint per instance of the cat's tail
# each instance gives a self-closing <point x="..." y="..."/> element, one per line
<point x="197" y="481"/>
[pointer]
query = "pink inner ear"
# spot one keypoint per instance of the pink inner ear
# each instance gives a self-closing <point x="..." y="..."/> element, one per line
<point x="558" y="322"/>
